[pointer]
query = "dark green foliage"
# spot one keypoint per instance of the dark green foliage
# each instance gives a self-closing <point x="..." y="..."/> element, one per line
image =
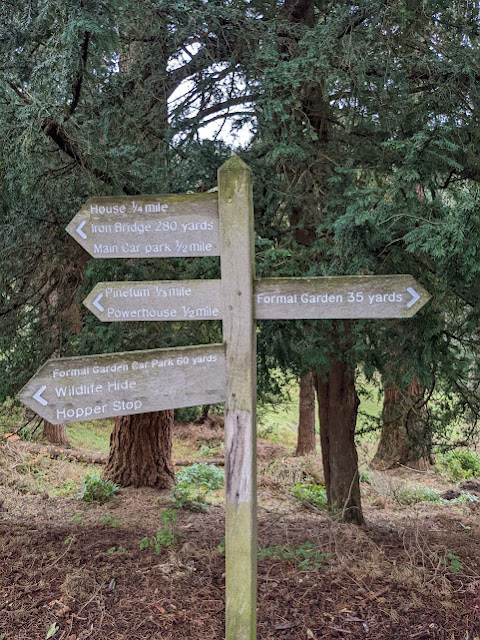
<point x="367" y="131"/>
<point x="83" y="101"/>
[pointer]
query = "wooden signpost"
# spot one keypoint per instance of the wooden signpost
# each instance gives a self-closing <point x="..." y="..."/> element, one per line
<point x="238" y="273"/>
<point x="100" y="386"/>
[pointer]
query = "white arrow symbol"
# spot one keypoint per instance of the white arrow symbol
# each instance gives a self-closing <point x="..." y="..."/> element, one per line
<point x="38" y="396"/>
<point x="81" y="233"/>
<point x="415" y="296"/>
<point x="96" y="303"/>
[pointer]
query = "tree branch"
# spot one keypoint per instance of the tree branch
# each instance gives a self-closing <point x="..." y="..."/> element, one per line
<point x="215" y="109"/>
<point x="58" y="135"/>
<point x="362" y="16"/>
<point x="77" y="87"/>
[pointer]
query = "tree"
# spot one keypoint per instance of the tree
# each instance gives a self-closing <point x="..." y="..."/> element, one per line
<point x="141" y="451"/>
<point x="360" y="107"/>
<point x="405" y="438"/>
<point x="88" y="109"/>
<point x="306" y="418"/>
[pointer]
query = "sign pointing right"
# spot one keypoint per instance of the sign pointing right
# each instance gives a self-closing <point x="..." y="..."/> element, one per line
<point x="339" y="297"/>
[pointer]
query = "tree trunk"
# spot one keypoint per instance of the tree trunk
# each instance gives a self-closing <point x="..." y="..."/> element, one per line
<point x="306" y="421"/>
<point x="55" y="434"/>
<point x="404" y="438"/>
<point x="141" y="450"/>
<point x="337" y="411"/>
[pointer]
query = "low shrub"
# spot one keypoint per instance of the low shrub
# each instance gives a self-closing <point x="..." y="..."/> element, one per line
<point x="187" y="414"/>
<point x="465" y="496"/>
<point x="95" y="489"/>
<point x="164" y="537"/>
<point x="195" y="484"/>
<point x="364" y="476"/>
<point x="412" y="495"/>
<point x="309" y="493"/>
<point x="458" y="464"/>
<point x="452" y="563"/>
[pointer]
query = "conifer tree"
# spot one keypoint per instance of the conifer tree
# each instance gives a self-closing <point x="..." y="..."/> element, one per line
<point x="362" y="109"/>
<point x="357" y="110"/>
<point x="88" y="107"/>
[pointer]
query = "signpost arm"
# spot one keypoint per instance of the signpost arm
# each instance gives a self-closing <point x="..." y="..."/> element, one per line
<point x="238" y="272"/>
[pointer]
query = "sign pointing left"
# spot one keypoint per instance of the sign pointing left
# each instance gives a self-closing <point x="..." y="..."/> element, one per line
<point x="96" y="303"/>
<point x="38" y="396"/>
<point x="117" y="384"/>
<point x="163" y="226"/>
<point x="80" y="231"/>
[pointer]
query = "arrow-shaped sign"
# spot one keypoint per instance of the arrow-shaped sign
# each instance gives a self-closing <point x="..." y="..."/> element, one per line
<point x="158" y="300"/>
<point x="148" y="226"/>
<point x="339" y="297"/>
<point x="117" y="384"/>
<point x="390" y="296"/>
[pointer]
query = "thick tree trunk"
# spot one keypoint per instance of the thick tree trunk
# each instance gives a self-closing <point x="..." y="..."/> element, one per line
<point x="404" y="438"/>
<point x="55" y="434"/>
<point x="306" y="421"/>
<point x="141" y="450"/>
<point x="337" y="410"/>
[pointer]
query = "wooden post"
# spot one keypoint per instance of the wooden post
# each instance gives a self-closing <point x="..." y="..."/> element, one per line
<point x="238" y="272"/>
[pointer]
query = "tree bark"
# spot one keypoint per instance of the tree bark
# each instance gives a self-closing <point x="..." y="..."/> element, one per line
<point x="55" y="434"/>
<point x="306" y="420"/>
<point x="337" y="411"/>
<point x="404" y="439"/>
<point x="141" y="450"/>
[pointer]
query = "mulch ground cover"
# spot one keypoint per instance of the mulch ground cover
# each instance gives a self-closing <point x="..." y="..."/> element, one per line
<point x="392" y="579"/>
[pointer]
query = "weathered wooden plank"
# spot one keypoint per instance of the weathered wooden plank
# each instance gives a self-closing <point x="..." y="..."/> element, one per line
<point x="157" y="226"/>
<point x="238" y="272"/>
<point x="340" y="297"/>
<point x="116" y="384"/>
<point x="156" y="300"/>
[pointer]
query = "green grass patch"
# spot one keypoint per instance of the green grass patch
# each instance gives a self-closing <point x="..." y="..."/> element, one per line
<point x="91" y="436"/>
<point x="184" y="449"/>
<point x="278" y="421"/>
<point x="11" y="415"/>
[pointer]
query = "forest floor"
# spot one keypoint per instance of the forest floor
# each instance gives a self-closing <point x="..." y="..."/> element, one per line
<point x="72" y="571"/>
